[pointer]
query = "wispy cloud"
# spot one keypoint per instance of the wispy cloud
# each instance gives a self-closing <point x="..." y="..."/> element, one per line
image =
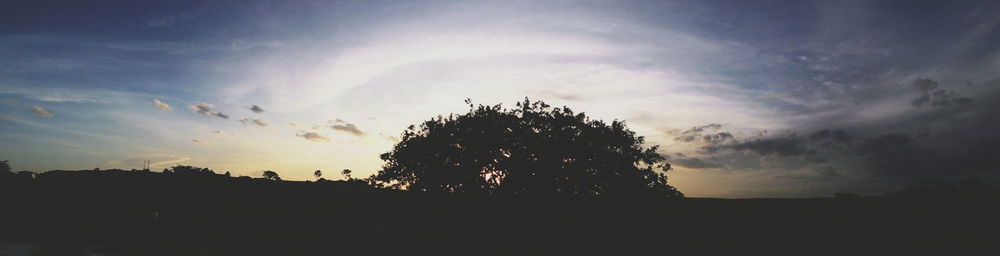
<point x="207" y="110"/>
<point x="196" y="141"/>
<point x="342" y="126"/>
<point x="41" y="111"/>
<point x="390" y="138"/>
<point x="170" y="20"/>
<point x="223" y="132"/>
<point x="155" y="161"/>
<point x="312" y="136"/>
<point x="161" y="105"/>
<point x="253" y="121"/>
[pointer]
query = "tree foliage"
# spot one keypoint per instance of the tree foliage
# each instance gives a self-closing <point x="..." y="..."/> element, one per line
<point x="4" y="167"/>
<point x="189" y="170"/>
<point x="271" y="175"/>
<point x="529" y="150"/>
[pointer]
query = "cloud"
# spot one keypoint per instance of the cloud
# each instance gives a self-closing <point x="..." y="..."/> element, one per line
<point x="207" y="110"/>
<point x="256" y="109"/>
<point x="312" y="136"/>
<point x="223" y="132"/>
<point x="694" y="163"/>
<point x="41" y="111"/>
<point x="956" y="150"/>
<point x="931" y="94"/>
<point x="161" y="105"/>
<point x="340" y="125"/>
<point x="170" y="20"/>
<point x="253" y="121"/>
<point x="708" y="136"/>
<point x="791" y="145"/>
<point x="196" y="141"/>
<point x="390" y="138"/>
<point x="2" y="117"/>
<point x="156" y="161"/>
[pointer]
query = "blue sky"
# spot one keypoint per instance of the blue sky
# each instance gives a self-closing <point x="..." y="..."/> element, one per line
<point x="747" y="98"/>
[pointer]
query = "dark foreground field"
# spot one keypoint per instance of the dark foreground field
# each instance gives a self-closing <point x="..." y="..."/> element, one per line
<point x="143" y="213"/>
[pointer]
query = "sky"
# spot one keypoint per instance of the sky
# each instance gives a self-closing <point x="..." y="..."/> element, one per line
<point x="745" y="98"/>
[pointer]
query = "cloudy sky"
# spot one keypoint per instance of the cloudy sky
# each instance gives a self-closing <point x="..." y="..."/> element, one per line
<point x="746" y="98"/>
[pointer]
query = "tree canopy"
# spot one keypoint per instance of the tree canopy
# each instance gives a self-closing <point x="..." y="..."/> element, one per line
<point x="529" y="150"/>
<point x="271" y="175"/>
<point x="189" y="170"/>
<point x="4" y="167"/>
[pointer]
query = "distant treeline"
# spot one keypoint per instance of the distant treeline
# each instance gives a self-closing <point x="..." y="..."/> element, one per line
<point x="970" y="188"/>
<point x="195" y="211"/>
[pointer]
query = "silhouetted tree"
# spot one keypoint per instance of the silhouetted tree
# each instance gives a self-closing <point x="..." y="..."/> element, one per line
<point x="318" y="174"/>
<point x="531" y="149"/>
<point x="190" y="170"/>
<point x="5" y="171"/>
<point x="346" y="173"/>
<point x="271" y="175"/>
<point x="4" y="167"/>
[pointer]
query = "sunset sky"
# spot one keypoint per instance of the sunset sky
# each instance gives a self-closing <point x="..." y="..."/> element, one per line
<point x="746" y="98"/>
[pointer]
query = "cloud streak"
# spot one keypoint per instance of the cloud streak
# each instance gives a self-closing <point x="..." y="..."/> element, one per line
<point x="41" y="111"/>
<point x="340" y="125"/>
<point x="312" y="136"/>
<point x="253" y="121"/>
<point x="207" y="110"/>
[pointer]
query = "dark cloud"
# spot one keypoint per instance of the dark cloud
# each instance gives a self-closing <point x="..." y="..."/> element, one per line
<point x="708" y="135"/>
<point x="931" y="94"/>
<point x="836" y="136"/>
<point x="312" y="136"/>
<point x="889" y="155"/>
<point x="207" y="110"/>
<point x="932" y="144"/>
<point x="694" y="163"/>
<point x="340" y="125"/>
<point x="791" y="145"/>
<point x="253" y="121"/>
<point x="256" y="109"/>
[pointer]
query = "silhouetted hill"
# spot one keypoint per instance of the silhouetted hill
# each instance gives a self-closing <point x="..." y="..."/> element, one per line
<point x="117" y="212"/>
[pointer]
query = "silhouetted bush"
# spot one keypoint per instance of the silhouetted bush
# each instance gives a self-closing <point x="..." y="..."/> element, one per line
<point x="532" y="149"/>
